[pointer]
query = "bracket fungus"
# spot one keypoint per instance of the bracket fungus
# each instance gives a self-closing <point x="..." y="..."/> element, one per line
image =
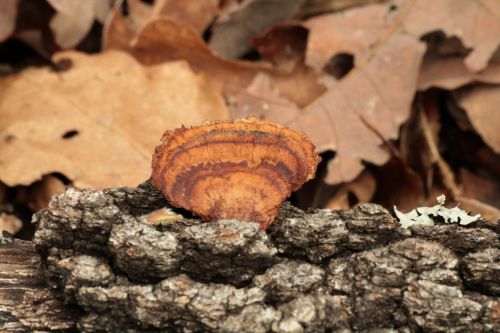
<point x="242" y="169"/>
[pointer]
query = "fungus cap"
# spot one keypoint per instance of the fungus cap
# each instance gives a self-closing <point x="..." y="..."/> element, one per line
<point x="242" y="169"/>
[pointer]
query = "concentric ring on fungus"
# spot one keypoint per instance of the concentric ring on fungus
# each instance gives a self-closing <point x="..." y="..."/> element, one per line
<point x="242" y="169"/>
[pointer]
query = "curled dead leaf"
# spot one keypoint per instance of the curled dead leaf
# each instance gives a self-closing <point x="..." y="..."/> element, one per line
<point x="475" y="22"/>
<point x="243" y="169"/>
<point x="481" y="102"/>
<point x="451" y="73"/>
<point x="488" y="212"/>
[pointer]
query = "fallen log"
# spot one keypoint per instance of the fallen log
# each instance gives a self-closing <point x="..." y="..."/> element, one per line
<point x="105" y="268"/>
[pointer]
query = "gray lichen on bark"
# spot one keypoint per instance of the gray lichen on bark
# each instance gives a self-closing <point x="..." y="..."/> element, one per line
<point x="335" y="271"/>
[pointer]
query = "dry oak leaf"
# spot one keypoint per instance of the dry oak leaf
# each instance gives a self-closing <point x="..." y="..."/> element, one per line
<point x="475" y="22"/>
<point x="98" y="121"/>
<point x="485" y="189"/>
<point x="368" y="106"/>
<point x="480" y="102"/>
<point x="365" y="108"/>
<point x="351" y="31"/>
<point x="161" y="40"/>
<point x="242" y="169"/>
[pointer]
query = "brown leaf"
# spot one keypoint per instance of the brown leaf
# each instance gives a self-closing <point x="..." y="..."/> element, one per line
<point x="233" y="30"/>
<point x="451" y="73"/>
<point x="475" y="22"/>
<point x="474" y="206"/>
<point x="366" y="107"/>
<point x="162" y="40"/>
<point x="198" y="14"/>
<point x="481" y="104"/>
<point x="98" y="122"/>
<point x="487" y="159"/>
<point x="120" y="30"/>
<point x="353" y="31"/>
<point x="480" y="186"/>
<point x="8" y="15"/>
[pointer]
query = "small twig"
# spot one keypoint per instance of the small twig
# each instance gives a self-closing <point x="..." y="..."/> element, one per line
<point x="436" y="158"/>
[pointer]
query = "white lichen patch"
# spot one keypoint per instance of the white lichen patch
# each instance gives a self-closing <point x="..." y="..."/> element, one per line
<point x="428" y="215"/>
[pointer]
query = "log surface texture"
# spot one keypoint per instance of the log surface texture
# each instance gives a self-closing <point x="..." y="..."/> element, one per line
<point x="105" y="270"/>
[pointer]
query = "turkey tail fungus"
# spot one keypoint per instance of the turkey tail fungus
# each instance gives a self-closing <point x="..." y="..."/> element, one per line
<point x="242" y="169"/>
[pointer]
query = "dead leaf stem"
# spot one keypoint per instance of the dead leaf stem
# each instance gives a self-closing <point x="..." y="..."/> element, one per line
<point x="436" y="158"/>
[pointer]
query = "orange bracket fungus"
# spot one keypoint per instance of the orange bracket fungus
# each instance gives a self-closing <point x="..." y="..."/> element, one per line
<point x="242" y="169"/>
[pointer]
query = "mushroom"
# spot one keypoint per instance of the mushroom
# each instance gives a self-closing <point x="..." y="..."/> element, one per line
<point x="242" y="169"/>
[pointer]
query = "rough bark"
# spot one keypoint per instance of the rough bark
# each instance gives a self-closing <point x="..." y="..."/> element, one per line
<point x="26" y="304"/>
<point x="320" y="271"/>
